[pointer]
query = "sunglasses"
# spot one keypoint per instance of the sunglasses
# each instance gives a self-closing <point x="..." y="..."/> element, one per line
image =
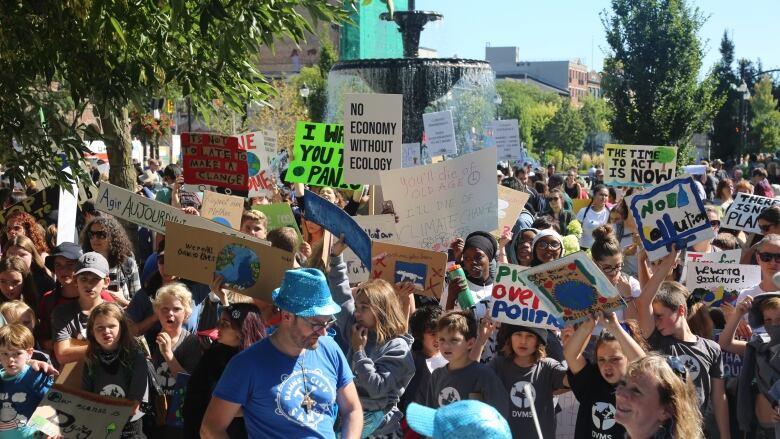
<point x="764" y="227"/>
<point x="766" y="257"/>
<point x="544" y="245"/>
<point x="100" y="234"/>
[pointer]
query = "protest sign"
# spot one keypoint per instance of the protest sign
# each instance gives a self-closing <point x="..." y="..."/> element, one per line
<point x="639" y="165"/>
<point x="333" y="219"/>
<point x="510" y="204"/>
<point x="318" y="155"/>
<point x="513" y="301"/>
<point x="744" y="211"/>
<point x="211" y="159"/>
<point x="372" y="135"/>
<point x="439" y="133"/>
<point x="411" y="155"/>
<point x="71" y="413"/>
<point x="249" y="267"/>
<point x="222" y="209"/>
<point x="670" y="213"/>
<point x="379" y="228"/>
<point x="724" y="257"/>
<point x="572" y="288"/>
<point x="397" y="263"/>
<point x="258" y="156"/>
<point x="278" y="215"/>
<point x="579" y="203"/>
<point x="39" y="205"/>
<point x="506" y="135"/>
<point x="718" y="283"/>
<point x="437" y="203"/>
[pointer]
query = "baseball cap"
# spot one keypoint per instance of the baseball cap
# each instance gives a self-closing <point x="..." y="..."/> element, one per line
<point x="93" y="262"/>
<point x="68" y="250"/>
<point x="466" y="419"/>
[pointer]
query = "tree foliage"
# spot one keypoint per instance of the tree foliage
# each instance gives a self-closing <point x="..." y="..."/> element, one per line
<point x="532" y="108"/>
<point x="725" y="137"/>
<point x="110" y="53"/>
<point x="650" y="73"/>
<point x="766" y="117"/>
<point x="566" y="131"/>
<point x="316" y="80"/>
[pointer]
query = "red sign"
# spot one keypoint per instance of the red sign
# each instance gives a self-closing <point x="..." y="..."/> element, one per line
<point x="214" y="160"/>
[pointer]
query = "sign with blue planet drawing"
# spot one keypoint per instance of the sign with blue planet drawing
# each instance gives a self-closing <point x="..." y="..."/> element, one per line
<point x="239" y="265"/>
<point x="572" y="288"/>
<point x="222" y="209"/>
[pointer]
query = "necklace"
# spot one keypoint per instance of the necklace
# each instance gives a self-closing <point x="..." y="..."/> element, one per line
<point x="307" y="402"/>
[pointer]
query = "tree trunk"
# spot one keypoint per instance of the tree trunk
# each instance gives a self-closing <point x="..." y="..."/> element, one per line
<point x="119" y="147"/>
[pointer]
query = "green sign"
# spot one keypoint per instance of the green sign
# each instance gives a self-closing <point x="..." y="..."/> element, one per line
<point x="318" y="156"/>
<point x="279" y="215"/>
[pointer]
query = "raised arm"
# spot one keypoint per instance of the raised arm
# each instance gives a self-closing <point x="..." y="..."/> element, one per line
<point x="644" y="302"/>
<point x="631" y="348"/>
<point x="726" y="340"/>
<point x="576" y="344"/>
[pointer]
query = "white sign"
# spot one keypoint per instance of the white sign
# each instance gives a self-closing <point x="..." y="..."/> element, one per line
<point x="258" y="155"/>
<point x="66" y="218"/>
<point x="379" y="228"/>
<point x="411" y="155"/>
<point x="372" y="136"/>
<point x="440" y="133"/>
<point x="440" y="202"/>
<point x="506" y="135"/>
<point x="744" y="211"/>
<point x="721" y="282"/>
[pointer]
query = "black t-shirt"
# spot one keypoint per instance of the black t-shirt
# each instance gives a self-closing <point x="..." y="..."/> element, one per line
<point x="596" y="415"/>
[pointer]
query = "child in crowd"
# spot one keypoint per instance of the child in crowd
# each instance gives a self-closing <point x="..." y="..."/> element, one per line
<point x="425" y="351"/>
<point x="16" y="282"/>
<point x="524" y="361"/>
<point x="69" y="320"/>
<point x="22" y="388"/>
<point x="254" y="223"/>
<point x="594" y="383"/>
<point x="17" y="312"/>
<point x="463" y="378"/>
<point x="115" y="364"/>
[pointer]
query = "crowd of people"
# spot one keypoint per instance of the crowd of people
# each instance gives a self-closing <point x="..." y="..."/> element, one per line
<point x="327" y="357"/>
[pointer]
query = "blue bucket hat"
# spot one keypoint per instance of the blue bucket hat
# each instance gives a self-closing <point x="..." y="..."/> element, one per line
<point x="466" y="419"/>
<point x="304" y="292"/>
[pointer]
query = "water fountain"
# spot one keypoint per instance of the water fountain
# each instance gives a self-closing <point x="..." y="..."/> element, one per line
<point x="428" y="84"/>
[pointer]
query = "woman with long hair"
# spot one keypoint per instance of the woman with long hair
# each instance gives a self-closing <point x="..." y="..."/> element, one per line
<point x="16" y="282"/>
<point x="594" y="215"/>
<point x="556" y="210"/>
<point x="21" y="223"/>
<point x="106" y="236"/>
<point x="23" y="247"/>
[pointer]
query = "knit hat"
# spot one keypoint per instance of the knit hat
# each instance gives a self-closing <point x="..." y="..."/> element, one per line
<point x="506" y="331"/>
<point x="483" y="241"/>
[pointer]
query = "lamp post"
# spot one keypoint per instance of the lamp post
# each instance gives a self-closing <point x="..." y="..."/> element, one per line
<point x="497" y="100"/>
<point x="304" y="91"/>
<point x="745" y="95"/>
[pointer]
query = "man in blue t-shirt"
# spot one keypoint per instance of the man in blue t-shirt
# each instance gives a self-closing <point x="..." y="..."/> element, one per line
<point x="293" y="383"/>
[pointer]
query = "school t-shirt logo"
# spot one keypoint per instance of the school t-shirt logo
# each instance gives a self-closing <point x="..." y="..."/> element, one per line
<point x="291" y="392"/>
<point x="518" y="396"/>
<point x="692" y="365"/>
<point x="448" y="395"/>
<point x="603" y="415"/>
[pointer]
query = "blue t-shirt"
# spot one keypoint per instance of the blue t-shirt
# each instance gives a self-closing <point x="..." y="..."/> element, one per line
<point x="19" y="396"/>
<point x="269" y="385"/>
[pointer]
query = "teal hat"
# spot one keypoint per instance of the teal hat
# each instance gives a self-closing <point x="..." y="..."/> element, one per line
<point x="304" y="292"/>
<point x="466" y="419"/>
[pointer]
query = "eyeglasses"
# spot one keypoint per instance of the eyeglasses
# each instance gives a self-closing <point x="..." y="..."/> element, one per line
<point x="766" y="257"/>
<point x="319" y="326"/>
<point x="678" y="367"/>
<point x="97" y="234"/>
<point x="609" y="269"/>
<point x="764" y="227"/>
<point x="544" y="245"/>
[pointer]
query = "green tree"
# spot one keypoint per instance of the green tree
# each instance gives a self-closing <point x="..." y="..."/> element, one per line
<point x="566" y="131"/>
<point x="316" y="80"/>
<point x="595" y="114"/>
<point x="766" y="117"/>
<point x="650" y="73"/>
<point x="113" y="53"/>
<point x="532" y="108"/>
<point x="725" y="137"/>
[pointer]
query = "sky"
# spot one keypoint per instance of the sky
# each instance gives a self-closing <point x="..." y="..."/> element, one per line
<point x="570" y="29"/>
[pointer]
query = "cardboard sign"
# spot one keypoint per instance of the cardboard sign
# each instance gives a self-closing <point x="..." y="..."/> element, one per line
<point x="249" y="267"/>
<point x="379" y="228"/>
<point x="397" y="263"/>
<point x="744" y="211"/>
<point x="670" y="213"/>
<point x="572" y="288"/>
<point x="411" y="155"/>
<point x="278" y="215"/>
<point x="437" y="203"/>
<point x="211" y="159"/>
<point x="318" y="155"/>
<point x="579" y="203"/>
<point x="333" y="219"/>
<point x="258" y="156"/>
<point x="440" y="133"/>
<point x="510" y="205"/>
<point x="222" y="209"/>
<point x="39" y="205"/>
<point x="72" y="413"/>
<point x="506" y="135"/>
<point x="718" y="283"/>
<point x="513" y="302"/>
<point x="372" y="135"/>
<point x="639" y="165"/>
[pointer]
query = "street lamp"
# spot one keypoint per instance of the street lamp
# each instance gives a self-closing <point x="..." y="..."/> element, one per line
<point x="304" y="91"/>
<point x="497" y="100"/>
